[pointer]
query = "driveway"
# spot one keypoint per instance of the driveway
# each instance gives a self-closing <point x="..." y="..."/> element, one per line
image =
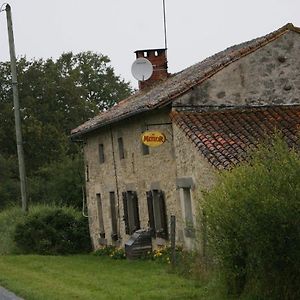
<point x="7" y="295"/>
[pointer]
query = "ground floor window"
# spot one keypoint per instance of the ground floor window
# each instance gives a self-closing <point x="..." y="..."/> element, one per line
<point x="113" y="215"/>
<point x="188" y="212"/>
<point x="131" y="212"/>
<point x="100" y="216"/>
<point x="157" y="213"/>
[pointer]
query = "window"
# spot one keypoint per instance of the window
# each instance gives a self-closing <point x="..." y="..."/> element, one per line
<point x="157" y="213"/>
<point x="113" y="215"/>
<point x="100" y="216"/>
<point x="121" y="148"/>
<point x="145" y="149"/>
<point x="188" y="212"/>
<point x="131" y="212"/>
<point x="185" y="184"/>
<point x="101" y="153"/>
<point x="188" y="207"/>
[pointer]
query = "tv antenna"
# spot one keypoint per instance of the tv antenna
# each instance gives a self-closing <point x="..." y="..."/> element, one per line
<point x="165" y="23"/>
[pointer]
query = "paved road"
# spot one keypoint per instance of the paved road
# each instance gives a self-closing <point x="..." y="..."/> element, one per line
<point x="7" y="295"/>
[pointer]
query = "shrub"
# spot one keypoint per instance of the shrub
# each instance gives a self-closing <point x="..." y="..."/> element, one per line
<point x="163" y="254"/>
<point x="53" y="231"/>
<point x="104" y="251"/>
<point x="9" y="218"/>
<point x="118" y="253"/>
<point x="111" y="251"/>
<point x="253" y="223"/>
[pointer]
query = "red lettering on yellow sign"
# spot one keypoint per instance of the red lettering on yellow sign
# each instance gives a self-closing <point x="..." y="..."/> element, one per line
<point x="153" y="138"/>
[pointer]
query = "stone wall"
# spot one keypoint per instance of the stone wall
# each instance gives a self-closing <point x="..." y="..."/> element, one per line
<point x="269" y="75"/>
<point x="192" y="166"/>
<point x="137" y="172"/>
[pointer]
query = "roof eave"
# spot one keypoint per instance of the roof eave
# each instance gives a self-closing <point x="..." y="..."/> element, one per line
<point x="108" y="122"/>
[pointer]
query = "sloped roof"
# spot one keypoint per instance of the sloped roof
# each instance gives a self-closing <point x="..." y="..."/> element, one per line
<point x="225" y="136"/>
<point x="176" y="85"/>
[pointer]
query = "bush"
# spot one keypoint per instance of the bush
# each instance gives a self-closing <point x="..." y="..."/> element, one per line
<point x="53" y="231"/>
<point x="253" y="223"/>
<point x="9" y="218"/>
<point x="111" y="251"/>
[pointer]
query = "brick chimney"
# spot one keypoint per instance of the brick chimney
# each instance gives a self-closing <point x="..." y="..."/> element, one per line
<point x="158" y="59"/>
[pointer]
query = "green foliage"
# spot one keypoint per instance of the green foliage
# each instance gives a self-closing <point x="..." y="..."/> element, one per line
<point x="253" y="222"/>
<point x="111" y="251"/>
<point x="9" y="218"/>
<point x="55" y="97"/>
<point x="9" y="186"/>
<point x="118" y="253"/>
<point x="60" y="183"/>
<point x="104" y="251"/>
<point x="53" y="231"/>
<point x="163" y="254"/>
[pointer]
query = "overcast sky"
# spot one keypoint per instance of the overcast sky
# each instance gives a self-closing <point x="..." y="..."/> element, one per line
<point x="195" y="29"/>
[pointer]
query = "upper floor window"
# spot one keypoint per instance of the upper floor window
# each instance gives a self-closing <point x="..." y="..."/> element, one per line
<point x="145" y="149"/>
<point x="101" y="153"/>
<point x="121" y="148"/>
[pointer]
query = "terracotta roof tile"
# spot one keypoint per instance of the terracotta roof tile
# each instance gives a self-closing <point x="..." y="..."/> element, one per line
<point x="178" y="84"/>
<point x="225" y="136"/>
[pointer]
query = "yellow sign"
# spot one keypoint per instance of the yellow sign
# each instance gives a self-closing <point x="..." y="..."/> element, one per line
<point x="153" y="138"/>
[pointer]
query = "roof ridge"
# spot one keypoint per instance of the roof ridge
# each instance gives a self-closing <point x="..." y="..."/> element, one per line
<point x="268" y="38"/>
<point x="176" y="85"/>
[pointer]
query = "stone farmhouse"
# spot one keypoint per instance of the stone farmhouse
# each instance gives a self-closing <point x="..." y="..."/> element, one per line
<point x="210" y="113"/>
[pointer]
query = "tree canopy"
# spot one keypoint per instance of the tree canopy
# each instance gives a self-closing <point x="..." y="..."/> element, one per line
<point x="55" y="97"/>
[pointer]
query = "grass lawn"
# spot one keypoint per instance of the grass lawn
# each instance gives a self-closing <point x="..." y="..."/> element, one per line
<point x="90" y="277"/>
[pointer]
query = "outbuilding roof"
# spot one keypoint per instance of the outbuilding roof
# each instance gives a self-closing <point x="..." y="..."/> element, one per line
<point x="164" y="92"/>
<point x="224" y="137"/>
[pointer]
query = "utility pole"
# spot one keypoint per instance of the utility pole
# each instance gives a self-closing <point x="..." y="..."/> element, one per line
<point x="16" y="109"/>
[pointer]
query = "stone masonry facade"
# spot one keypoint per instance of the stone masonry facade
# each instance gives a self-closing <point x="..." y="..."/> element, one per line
<point x="268" y="76"/>
<point x="136" y="172"/>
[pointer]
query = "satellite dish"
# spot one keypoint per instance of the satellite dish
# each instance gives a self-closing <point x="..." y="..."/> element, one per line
<point x="141" y="69"/>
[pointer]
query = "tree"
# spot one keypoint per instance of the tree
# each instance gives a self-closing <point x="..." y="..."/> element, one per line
<point x="253" y="221"/>
<point x="55" y="97"/>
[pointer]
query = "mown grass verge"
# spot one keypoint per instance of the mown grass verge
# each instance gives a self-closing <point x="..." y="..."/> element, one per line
<point x="88" y="277"/>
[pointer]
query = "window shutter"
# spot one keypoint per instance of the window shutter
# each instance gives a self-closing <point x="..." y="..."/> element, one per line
<point x="113" y="213"/>
<point x="125" y="217"/>
<point x="151" y="213"/>
<point x="163" y="215"/>
<point x="136" y="214"/>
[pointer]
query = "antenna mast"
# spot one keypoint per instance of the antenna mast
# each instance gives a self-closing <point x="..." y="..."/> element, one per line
<point x="165" y="25"/>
